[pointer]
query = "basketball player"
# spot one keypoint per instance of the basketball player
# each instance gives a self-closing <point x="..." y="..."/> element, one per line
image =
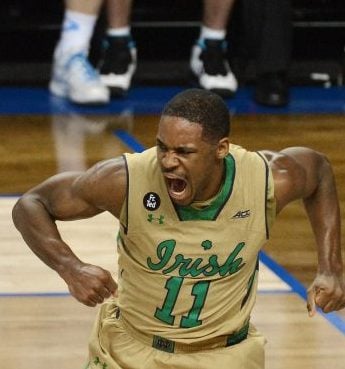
<point x="194" y="212"/>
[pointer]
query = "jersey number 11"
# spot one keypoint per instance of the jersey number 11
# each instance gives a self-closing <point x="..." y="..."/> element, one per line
<point x="173" y="285"/>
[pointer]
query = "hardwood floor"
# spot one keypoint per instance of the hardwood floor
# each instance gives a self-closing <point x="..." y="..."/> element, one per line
<point x="52" y="332"/>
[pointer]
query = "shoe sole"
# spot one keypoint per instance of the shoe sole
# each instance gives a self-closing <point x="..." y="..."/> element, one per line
<point x="117" y="84"/>
<point x="58" y="89"/>
<point x="91" y="104"/>
<point x="223" y="92"/>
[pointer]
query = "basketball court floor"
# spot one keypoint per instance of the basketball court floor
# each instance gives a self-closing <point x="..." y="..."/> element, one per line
<point x="42" y="326"/>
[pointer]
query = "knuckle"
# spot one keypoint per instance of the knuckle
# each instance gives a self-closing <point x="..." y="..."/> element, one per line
<point x="91" y="295"/>
<point x="107" y="293"/>
<point x="104" y="279"/>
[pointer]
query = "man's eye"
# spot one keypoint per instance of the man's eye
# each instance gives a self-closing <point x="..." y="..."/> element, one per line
<point x="162" y="148"/>
<point x="184" y="152"/>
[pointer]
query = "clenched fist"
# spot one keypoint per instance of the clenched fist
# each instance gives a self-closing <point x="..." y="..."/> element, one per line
<point x="89" y="284"/>
<point x="326" y="292"/>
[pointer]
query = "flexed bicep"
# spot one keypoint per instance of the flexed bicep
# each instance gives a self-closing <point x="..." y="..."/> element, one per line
<point x="62" y="197"/>
<point x="70" y="195"/>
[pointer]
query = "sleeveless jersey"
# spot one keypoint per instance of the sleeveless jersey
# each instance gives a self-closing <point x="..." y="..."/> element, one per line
<point x="191" y="275"/>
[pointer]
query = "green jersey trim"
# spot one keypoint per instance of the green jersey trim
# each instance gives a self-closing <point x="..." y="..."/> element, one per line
<point x="211" y="211"/>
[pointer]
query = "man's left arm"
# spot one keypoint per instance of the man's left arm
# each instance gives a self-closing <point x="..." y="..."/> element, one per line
<point x="301" y="173"/>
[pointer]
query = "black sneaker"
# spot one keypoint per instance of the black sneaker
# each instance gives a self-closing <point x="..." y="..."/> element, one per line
<point x="118" y="64"/>
<point x="210" y="66"/>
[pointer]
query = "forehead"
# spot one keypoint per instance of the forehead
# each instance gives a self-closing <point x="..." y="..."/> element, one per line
<point x="179" y="130"/>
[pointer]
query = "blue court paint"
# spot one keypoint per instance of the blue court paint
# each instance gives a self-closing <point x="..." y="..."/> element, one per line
<point x="141" y="100"/>
<point x="296" y="286"/>
<point x="151" y="100"/>
<point x="129" y="140"/>
<point x="36" y="294"/>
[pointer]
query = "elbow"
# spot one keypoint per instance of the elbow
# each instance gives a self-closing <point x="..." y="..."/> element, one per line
<point x="320" y="176"/>
<point x="326" y="175"/>
<point x="17" y="212"/>
<point x="323" y="186"/>
<point x="26" y="207"/>
<point x="19" y="208"/>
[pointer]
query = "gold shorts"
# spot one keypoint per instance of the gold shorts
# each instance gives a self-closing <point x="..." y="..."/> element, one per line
<point x="112" y="347"/>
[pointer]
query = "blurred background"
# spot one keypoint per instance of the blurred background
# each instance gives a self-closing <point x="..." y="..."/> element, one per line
<point x="164" y="32"/>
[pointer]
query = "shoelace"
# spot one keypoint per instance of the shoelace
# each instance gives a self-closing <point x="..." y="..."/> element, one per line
<point x="82" y="66"/>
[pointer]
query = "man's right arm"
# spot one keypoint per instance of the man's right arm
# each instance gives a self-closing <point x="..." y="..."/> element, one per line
<point x="303" y="173"/>
<point x="69" y="196"/>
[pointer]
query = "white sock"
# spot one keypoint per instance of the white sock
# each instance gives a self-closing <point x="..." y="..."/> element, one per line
<point x="119" y="32"/>
<point x="211" y="33"/>
<point x="76" y="33"/>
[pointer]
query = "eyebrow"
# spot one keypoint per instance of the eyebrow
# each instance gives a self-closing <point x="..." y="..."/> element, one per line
<point x="178" y="149"/>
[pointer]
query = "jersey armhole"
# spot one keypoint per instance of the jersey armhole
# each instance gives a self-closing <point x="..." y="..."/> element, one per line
<point x="269" y="197"/>
<point x="124" y="210"/>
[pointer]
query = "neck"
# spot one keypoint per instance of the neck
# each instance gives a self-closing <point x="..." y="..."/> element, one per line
<point x="214" y="186"/>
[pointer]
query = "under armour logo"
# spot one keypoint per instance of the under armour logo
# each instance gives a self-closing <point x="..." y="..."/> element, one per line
<point x="100" y="364"/>
<point x="159" y="220"/>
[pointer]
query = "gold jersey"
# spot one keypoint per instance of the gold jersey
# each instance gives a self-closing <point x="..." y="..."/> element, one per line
<point x="189" y="274"/>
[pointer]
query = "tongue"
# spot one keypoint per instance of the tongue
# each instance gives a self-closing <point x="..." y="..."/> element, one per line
<point x="177" y="185"/>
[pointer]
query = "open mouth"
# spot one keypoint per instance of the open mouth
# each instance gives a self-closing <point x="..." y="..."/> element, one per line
<point x="176" y="187"/>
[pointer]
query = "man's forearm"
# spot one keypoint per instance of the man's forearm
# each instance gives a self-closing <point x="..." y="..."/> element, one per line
<point x="324" y="214"/>
<point x="39" y="231"/>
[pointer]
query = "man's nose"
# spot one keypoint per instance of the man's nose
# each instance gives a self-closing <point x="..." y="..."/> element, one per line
<point x="170" y="160"/>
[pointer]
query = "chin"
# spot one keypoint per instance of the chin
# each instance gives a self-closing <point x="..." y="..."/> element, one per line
<point x="181" y="201"/>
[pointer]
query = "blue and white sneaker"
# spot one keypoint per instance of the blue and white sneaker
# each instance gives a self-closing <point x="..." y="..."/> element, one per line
<point x="118" y="64"/>
<point x="75" y="78"/>
<point x="210" y="66"/>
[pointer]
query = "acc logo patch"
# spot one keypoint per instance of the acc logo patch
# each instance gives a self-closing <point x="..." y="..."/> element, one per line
<point x="151" y="201"/>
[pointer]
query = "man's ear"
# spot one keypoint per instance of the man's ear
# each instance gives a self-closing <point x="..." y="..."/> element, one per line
<point x="223" y="148"/>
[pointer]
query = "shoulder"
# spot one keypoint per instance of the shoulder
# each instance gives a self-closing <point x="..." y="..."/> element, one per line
<point x="104" y="184"/>
<point x="107" y="169"/>
<point x="296" y="172"/>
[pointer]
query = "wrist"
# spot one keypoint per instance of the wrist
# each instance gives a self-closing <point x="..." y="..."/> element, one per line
<point x="67" y="264"/>
<point x="332" y="267"/>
